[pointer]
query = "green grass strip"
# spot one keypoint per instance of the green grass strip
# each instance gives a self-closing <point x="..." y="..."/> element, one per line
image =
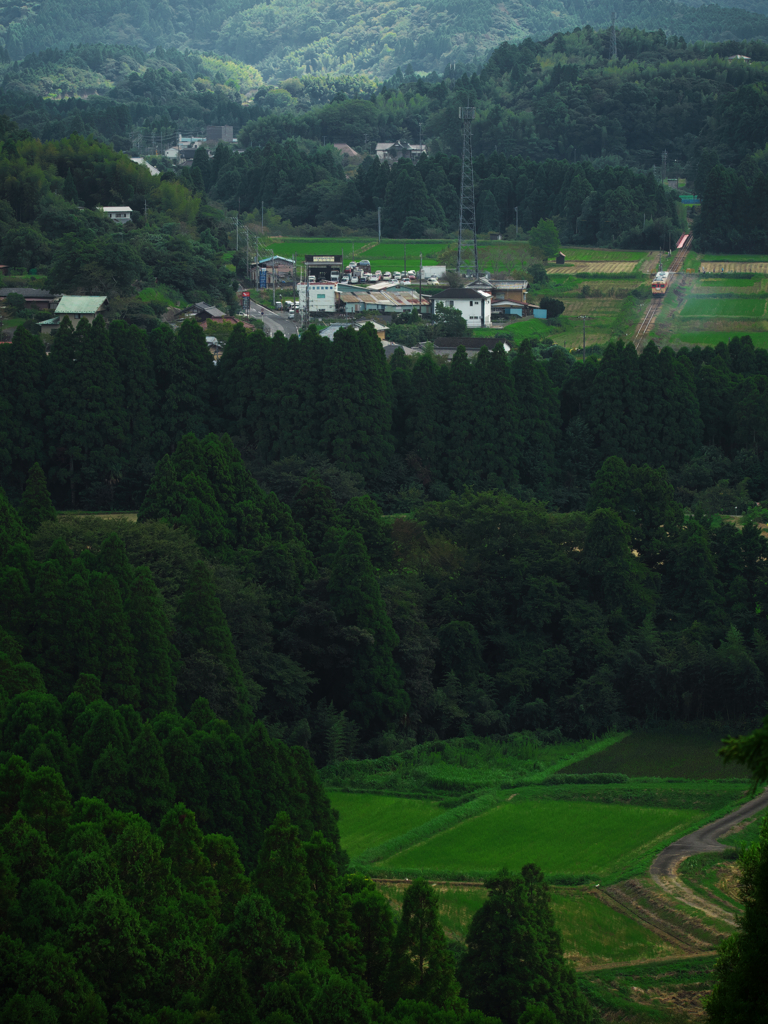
<point x="420" y="833"/>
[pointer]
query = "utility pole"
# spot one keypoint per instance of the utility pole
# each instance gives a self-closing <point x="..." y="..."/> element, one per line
<point x="379" y="224"/>
<point x="405" y="264"/>
<point x="421" y="276"/>
<point x="614" y="48"/>
<point x="584" y="336"/>
<point x="466" y="261"/>
<point x="516" y="216"/>
<point x="262" y="216"/>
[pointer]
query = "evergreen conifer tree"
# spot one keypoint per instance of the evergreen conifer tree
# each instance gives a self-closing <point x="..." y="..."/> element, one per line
<point x="427" y="434"/>
<point x="144" y="441"/>
<point x="155" y="656"/>
<point x="371" y="689"/>
<point x="184" y="372"/>
<point x="496" y="421"/>
<point x="315" y="508"/>
<point x="210" y="668"/>
<point x="151" y="786"/>
<point x="86" y="421"/>
<point x="421" y="967"/>
<point x="358" y="401"/>
<point x="539" y="422"/>
<point x="70" y="189"/>
<point x="23" y="373"/>
<point x="514" y="955"/>
<point x="36" y="505"/>
<point x="115" y="652"/>
<point x="113" y="560"/>
<point x="460" y="421"/>
<point x="282" y="876"/>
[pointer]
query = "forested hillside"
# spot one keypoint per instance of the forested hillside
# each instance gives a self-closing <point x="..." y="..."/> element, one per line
<point x="560" y="99"/>
<point x="488" y="610"/>
<point x="288" y="38"/>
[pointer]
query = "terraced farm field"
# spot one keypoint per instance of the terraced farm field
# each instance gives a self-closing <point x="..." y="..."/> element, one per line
<point x="577" y="254"/>
<point x="663" y="754"/>
<point x="368" y="821"/>
<point x="562" y="837"/>
<point x="594" y="267"/>
<point x="741" y="306"/>
<point x="726" y="266"/>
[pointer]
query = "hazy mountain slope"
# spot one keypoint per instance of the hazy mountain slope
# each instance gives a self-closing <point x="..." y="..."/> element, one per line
<point x="289" y="37"/>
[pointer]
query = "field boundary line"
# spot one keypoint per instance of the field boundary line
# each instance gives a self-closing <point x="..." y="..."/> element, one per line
<point x="652" y="960"/>
<point x="421" y="833"/>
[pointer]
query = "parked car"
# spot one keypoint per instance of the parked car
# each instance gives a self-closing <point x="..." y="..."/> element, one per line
<point x="345" y="279"/>
<point x="387" y="276"/>
<point x="365" y="263"/>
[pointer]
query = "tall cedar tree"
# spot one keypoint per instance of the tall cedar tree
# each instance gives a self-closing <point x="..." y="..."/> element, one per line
<point x="459" y="464"/>
<point x="539" y="421"/>
<point x="358" y="402"/>
<point x="211" y="669"/>
<point x="23" y="369"/>
<point x="282" y="876"/>
<point x="137" y="374"/>
<point x="422" y="966"/>
<point x="371" y="689"/>
<point x="496" y="421"/>
<point x="155" y="655"/>
<point x="86" y="420"/>
<point x="514" y="954"/>
<point x="426" y="443"/>
<point x="184" y="373"/>
<point x="36" y="506"/>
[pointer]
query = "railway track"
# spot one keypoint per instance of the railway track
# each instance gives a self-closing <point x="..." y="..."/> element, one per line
<point x="649" y="318"/>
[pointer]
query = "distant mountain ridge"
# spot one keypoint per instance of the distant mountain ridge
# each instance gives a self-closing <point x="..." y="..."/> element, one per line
<point x="285" y="38"/>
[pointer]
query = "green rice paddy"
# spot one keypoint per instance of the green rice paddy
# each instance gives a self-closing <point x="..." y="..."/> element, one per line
<point x="663" y="754"/>
<point x="367" y="821"/>
<point x="562" y="837"/>
<point x="732" y="307"/>
<point x="728" y="283"/>
<point x="575" y="254"/>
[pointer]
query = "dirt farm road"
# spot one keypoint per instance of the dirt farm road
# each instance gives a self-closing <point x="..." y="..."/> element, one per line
<point x="664" y="869"/>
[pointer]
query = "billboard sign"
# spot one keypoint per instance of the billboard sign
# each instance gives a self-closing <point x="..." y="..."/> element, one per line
<point x="322" y="259"/>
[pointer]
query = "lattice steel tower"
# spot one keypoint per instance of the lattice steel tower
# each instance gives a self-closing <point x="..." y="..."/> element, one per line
<point x="467" y="258"/>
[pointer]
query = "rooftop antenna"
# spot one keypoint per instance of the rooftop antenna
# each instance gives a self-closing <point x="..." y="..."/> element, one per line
<point x="614" y="49"/>
<point x="466" y="262"/>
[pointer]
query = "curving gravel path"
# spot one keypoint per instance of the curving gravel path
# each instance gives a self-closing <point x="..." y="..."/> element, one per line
<point x="703" y="840"/>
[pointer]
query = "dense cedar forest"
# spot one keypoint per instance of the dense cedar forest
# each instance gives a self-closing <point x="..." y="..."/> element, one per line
<point x="538" y="568"/>
<point x="167" y="853"/>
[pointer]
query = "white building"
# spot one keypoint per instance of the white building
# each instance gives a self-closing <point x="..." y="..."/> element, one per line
<point x="473" y="304"/>
<point x="119" y="214"/>
<point x="321" y="298"/>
